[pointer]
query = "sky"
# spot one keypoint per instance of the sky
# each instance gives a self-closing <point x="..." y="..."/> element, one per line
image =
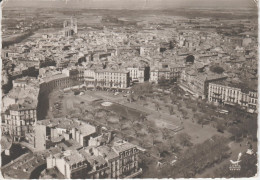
<point x="135" y="4"/>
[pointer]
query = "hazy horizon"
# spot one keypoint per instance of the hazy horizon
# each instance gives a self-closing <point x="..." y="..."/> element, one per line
<point x="133" y="4"/>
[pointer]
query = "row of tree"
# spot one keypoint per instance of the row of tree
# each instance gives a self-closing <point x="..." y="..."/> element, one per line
<point x="194" y="160"/>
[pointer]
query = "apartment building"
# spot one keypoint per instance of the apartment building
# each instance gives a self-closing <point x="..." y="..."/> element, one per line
<point x="107" y="78"/>
<point x="139" y="74"/>
<point x="60" y="79"/>
<point x="176" y="71"/>
<point x="120" y="160"/>
<point x="233" y="94"/>
<point x="89" y="77"/>
<point x="72" y="164"/>
<point x="198" y="83"/>
<point x="20" y="119"/>
<point x="75" y="74"/>
<point x="157" y="74"/>
<point x="56" y="81"/>
<point x="116" y="79"/>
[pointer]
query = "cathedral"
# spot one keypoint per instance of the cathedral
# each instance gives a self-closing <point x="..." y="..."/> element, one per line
<point x="70" y="28"/>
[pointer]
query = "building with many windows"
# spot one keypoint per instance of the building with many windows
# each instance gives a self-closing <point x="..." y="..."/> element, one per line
<point x="198" y="83"/>
<point x="140" y="74"/>
<point x="226" y="92"/>
<point x="54" y="79"/>
<point x="118" y="160"/>
<point x="107" y="78"/>
<point x="20" y="119"/>
<point x="157" y="74"/>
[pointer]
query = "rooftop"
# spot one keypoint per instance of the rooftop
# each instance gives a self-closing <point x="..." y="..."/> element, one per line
<point x="112" y="71"/>
<point x="209" y="77"/>
<point x="26" y="105"/>
<point x="64" y="123"/>
<point x="91" y="158"/>
<point x="73" y="156"/>
<point x="107" y="151"/>
<point x="53" y="77"/>
<point x="120" y="146"/>
<point x="243" y="86"/>
<point x="28" y="91"/>
<point x="26" y="80"/>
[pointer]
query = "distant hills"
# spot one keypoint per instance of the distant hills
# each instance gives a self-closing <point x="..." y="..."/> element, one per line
<point x="134" y="4"/>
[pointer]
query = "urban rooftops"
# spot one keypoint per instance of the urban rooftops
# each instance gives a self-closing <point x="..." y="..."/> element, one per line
<point x="244" y="88"/>
<point x="64" y="123"/>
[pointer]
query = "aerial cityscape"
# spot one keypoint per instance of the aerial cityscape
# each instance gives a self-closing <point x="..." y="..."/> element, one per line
<point x="113" y="89"/>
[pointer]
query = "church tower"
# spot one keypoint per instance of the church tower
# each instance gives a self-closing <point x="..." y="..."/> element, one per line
<point x="70" y="29"/>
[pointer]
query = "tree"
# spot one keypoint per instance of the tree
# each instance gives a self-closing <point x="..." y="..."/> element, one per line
<point x="162" y="81"/>
<point x="142" y="117"/>
<point x="220" y="127"/>
<point x="152" y="133"/>
<point x="132" y="120"/>
<point x="151" y="129"/>
<point x="184" y="113"/>
<point x="235" y="131"/>
<point x="171" y="45"/>
<point x="131" y="97"/>
<point x="171" y="110"/>
<point x="184" y="139"/>
<point x="165" y="134"/>
<point x="142" y="88"/>
<point x="216" y="69"/>
<point x="174" y="147"/>
<point x="173" y="98"/>
<point x="106" y="119"/>
<point x="157" y="105"/>
<point x="162" y="149"/>
<point x="120" y="122"/>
